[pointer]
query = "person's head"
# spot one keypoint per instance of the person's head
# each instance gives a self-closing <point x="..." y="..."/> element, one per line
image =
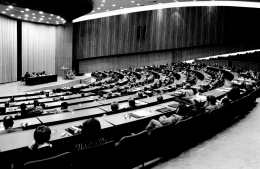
<point x="225" y="101"/>
<point x="187" y="86"/>
<point x="182" y="110"/>
<point x="131" y="102"/>
<point x="64" y="105"/>
<point x="8" y="122"/>
<point x="7" y="104"/>
<point x="159" y="98"/>
<point x="42" y="105"/>
<point x="91" y="128"/>
<point x="12" y="99"/>
<point x="42" y="134"/>
<point x="36" y="102"/>
<point x="23" y="106"/>
<point x="114" y="106"/>
<point x="233" y="94"/>
<point x="211" y="99"/>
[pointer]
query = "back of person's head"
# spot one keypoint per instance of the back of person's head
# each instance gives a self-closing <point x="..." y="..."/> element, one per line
<point x="42" y="105"/>
<point x="23" y="106"/>
<point x="12" y="99"/>
<point x="225" y="101"/>
<point x="114" y="106"/>
<point x="7" y="104"/>
<point x="42" y="134"/>
<point x="211" y="99"/>
<point x="140" y="94"/>
<point x="159" y="98"/>
<point x="182" y="109"/>
<point x="131" y="102"/>
<point x="233" y="94"/>
<point x="64" y="105"/>
<point x="8" y="121"/>
<point x="91" y="129"/>
<point x="36" y="102"/>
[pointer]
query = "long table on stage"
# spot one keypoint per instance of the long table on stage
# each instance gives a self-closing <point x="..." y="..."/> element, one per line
<point x="40" y="79"/>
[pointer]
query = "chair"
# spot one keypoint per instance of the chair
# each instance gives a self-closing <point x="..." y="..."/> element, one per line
<point x="60" y="161"/>
<point x="102" y="156"/>
<point x="131" y="150"/>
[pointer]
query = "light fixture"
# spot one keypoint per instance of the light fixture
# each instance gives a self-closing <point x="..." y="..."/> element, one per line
<point x="7" y="9"/>
<point x="51" y="14"/>
<point x="57" y="23"/>
<point x="10" y="6"/>
<point x="33" y="13"/>
<point x="93" y="11"/>
<point x="98" y="8"/>
<point x="58" y="17"/>
<point x="139" y="4"/>
<point x="114" y="5"/>
<point x="121" y="7"/>
<point x="132" y="1"/>
<point x="40" y="12"/>
<point x="26" y="15"/>
<point x="47" y="22"/>
<point x="22" y="11"/>
<point x="102" y="5"/>
<point x="12" y="14"/>
<point x="3" y="12"/>
<point x="103" y="1"/>
<point x="107" y="10"/>
<point x="41" y="19"/>
<point x="19" y="17"/>
<point x="25" y="18"/>
<point x="49" y="18"/>
<point x="42" y="16"/>
<point x="26" y="9"/>
<point x="34" y="17"/>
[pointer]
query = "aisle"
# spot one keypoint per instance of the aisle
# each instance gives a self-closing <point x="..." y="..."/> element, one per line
<point x="236" y="148"/>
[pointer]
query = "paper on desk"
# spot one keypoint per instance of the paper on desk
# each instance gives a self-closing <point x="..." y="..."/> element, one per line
<point x="222" y="90"/>
<point x="141" y="113"/>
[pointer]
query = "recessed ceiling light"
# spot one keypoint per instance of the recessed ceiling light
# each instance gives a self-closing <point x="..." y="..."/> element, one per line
<point x="42" y="16"/>
<point x="49" y="18"/>
<point x="107" y="10"/>
<point x="103" y="1"/>
<point x="102" y="5"/>
<point x="25" y="18"/>
<point x="40" y="12"/>
<point x="114" y="5"/>
<point x="57" y="23"/>
<point x="93" y="11"/>
<point x="58" y="17"/>
<point x="33" y="13"/>
<point x="138" y="4"/>
<point x="19" y="17"/>
<point x="3" y="12"/>
<point x="51" y="14"/>
<point x="34" y="17"/>
<point x="22" y="11"/>
<point x="10" y="6"/>
<point x="47" y="22"/>
<point x="121" y="7"/>
<point x="26" y="15"/>
<point x="132" y="1"/>
<point x="32" y="20"/>
<point x="26" y="9"/>
<point x="41" y="19"/>
<point x="160" y="3"/>
<point x="12" y="14"/>
<point x="7" y="9"/>
<point x="98" y="8"/>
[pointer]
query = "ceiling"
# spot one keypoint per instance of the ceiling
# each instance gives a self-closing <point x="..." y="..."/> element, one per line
<point x="46" y="11"/>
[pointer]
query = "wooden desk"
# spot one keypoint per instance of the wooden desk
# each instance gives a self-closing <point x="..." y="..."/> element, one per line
<point x="33" y="97"/>
<point x="117" y="99"/>
<point x="40" y="79"/>
<point x="84" y="105"/>
<point x="31" y="122"/>
<point x="107" y="108"/>
<point x="169" y="103"/>
<point x="79" y="100"/>
<point x="65" y="117"/>
<point x="119" y="119"/>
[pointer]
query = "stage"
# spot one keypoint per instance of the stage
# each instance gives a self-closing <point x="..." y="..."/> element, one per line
<point x="19" y="87"/>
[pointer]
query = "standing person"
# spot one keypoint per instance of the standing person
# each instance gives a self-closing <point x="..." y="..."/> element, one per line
<point x="63" y="69"/>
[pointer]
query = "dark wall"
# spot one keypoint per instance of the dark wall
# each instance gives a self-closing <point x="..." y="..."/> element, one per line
<point x="186" y="31"/>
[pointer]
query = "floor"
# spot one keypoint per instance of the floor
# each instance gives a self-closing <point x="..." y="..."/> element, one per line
<point x="238" y="147"/>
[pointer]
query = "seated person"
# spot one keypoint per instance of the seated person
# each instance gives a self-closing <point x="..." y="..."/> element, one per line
<point x="8" y="123"/>
<point x="12" y="99"/>
<point x="64" y="108"/>
<point x="37" y="109"/>
<point x="131" y="104"/>
<point x="187" y="91"/>
<point x="114" y="106"/>
<point x="41" y="147"/>
<point x="159" y="98"/>
<point x="7" y="104"/>
<point x="225" y="101"/>
<point x="24" y="111"/>
<point x="140" y="95"/>
<point x="197" y="108"/>
<point x="211" y="104"/>
<point x="180" y="114"/>
<point x="90" y="135"/>
<point x="100" y="96"/>
<point x="27" y="75"/>
<point x="33" y="74"/>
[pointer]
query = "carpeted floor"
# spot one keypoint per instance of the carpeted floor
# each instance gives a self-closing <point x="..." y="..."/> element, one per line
<point x="238" y="147"/>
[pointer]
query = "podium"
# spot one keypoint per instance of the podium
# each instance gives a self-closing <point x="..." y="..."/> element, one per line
<point x="64" y="71"/>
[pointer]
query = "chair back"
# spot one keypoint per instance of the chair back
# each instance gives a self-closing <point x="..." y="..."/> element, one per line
<point x="63" y="161"/>
<point x="131" y="149"/>
<point x="101" y="156"/>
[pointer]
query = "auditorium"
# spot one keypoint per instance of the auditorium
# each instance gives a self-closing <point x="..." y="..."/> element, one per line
<point x="129" y="84"/>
